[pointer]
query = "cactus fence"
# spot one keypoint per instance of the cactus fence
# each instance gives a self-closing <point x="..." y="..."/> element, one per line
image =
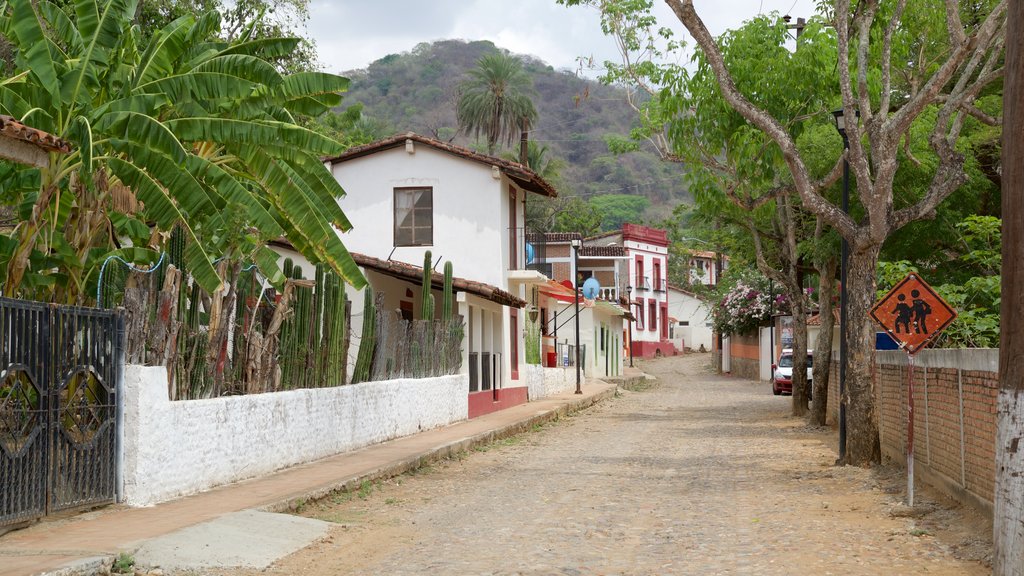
<point x="249" y="338"/>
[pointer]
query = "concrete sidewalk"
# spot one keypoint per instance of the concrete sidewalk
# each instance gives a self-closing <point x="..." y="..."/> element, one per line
<point x="85" y="542"/>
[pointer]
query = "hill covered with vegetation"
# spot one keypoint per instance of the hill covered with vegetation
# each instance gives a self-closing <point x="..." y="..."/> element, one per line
<point x="417" y="91"/>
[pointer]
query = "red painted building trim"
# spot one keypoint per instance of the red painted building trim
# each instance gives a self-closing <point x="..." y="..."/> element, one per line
<point x="488" y="401"/>
<point x="514" y="341"/>
<point x="645" y="234"/>
<point x="664" y="320"/>
<point x="643" y="349"/>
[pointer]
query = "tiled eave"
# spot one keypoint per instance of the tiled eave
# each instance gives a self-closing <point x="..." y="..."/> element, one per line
<point x="414" y="274"/>
<point x="15" y="130"/>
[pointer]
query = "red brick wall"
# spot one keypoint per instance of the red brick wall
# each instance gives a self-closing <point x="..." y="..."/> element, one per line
<point x="946" y="384"/>
<point x="561" y="271"/>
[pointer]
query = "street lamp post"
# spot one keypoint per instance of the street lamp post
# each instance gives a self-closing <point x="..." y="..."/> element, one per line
<point x="629" y="322"/>
<point x="844" y="266"/>
<point x="576" y="243"/>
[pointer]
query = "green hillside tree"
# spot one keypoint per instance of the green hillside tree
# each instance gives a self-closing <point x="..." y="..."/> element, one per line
<point x="495" y="101"/>
<point x="192" y="131"/>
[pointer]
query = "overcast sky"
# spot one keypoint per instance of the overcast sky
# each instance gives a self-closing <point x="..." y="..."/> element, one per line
<point x="350" y="34"/>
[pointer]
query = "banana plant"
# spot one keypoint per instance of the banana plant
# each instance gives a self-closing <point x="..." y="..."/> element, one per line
<point x="177" y="130"/>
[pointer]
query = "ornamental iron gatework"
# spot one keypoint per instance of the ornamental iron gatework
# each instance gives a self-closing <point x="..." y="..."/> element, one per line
<point x="59" y="366"/>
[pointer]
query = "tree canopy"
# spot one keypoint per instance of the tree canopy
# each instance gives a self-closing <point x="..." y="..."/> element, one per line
<point x="494" y="101"/>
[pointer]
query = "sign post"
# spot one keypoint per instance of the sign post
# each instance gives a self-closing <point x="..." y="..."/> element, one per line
<point x="913" y="315"/>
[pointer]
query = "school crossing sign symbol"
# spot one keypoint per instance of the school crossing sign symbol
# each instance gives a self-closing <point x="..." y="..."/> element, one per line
<point x="912" y="313"/>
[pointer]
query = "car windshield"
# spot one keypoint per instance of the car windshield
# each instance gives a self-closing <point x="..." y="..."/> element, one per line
<point x="787" y="361"/>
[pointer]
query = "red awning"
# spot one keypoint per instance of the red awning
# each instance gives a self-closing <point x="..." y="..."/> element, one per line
<point x="559" y="291"/>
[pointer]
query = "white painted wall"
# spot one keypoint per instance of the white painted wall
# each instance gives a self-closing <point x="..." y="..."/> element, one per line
<point x="178" y="448"/>
<point x="688" y="308"/>
<point x="470" y="209"/>
<point x="766" y="354"/>
<point x="543" y="382"/>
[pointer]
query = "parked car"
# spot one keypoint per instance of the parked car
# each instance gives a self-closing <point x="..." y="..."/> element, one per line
<point x="782" y="373"/>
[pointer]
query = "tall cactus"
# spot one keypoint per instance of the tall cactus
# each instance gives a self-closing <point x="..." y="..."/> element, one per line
<point x="446" y="294"/>
<point x="426" y="301"/>
<point x="361" y="372"/>
<point x="336" y="324"/>
<point x="317" y="329"/>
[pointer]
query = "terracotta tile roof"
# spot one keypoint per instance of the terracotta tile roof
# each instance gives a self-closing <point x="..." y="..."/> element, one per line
<point x="13" y="129"/>
<point x="519" y="174"/>
<point x="603" y="251"/>
<point x="412" y="273"/>
<point x="602" y="235"/>
<point x="703" y="254"/>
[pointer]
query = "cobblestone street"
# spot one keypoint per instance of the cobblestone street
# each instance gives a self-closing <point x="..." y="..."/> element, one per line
<point x="698" y="474"/>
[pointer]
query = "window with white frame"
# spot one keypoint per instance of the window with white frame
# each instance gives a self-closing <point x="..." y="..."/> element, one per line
<point x="414" y="216"/>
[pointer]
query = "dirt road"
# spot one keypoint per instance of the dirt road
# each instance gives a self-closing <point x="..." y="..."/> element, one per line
<point x="699" y="474"/>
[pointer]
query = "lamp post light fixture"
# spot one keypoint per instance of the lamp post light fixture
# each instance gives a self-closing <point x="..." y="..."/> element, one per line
<point x="629" y="322"/>
<point x="576" y="243"/>
<point x="844" y="267"/>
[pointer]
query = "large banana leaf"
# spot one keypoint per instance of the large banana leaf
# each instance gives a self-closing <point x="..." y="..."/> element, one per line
<point x="163" y="210"/>
<point x="99" y="38"/>
<point x="62" y="26"/>
<point x="252" y="133"/>
<point x="267" y="48"/>
<point x="189" y="196"/>
<point x="242" y="66"/>
<point x="165" y="47"/>
<point x="234" y="193"/>
<point x="287" y="192"/>
<point x="144" y="130"/>
<point x="36" y="52"/>
<point x="202" y="86"/>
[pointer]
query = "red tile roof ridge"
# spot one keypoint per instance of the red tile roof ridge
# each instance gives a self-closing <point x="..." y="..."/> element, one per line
<point x="524" y="175"/>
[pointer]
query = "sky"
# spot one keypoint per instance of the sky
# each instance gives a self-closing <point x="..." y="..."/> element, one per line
<point x="350" y="34"/>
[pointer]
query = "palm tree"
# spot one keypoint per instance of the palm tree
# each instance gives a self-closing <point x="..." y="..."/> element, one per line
<point x="494" y="100"/>
<point x="182" y="129"/>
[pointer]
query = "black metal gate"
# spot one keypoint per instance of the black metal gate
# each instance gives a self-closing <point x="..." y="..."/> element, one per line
<point x="59" y="368"/>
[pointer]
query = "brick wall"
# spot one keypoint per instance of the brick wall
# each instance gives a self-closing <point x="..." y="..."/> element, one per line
<point x="561" y="271"/>
<point x="954" y="417"/>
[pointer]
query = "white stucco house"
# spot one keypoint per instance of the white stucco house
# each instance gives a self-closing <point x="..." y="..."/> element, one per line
<point x="633" y="263"/>
<point x="690" y="324"/>
<point x="409" y="194"/>
<point x="707" y="267"/>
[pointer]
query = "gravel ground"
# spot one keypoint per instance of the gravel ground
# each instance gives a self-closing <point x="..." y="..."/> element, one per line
<point x="697" y="474"/>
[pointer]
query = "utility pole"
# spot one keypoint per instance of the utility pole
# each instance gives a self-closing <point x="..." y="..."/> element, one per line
<point x="1008" y="516"/>
<point x="524" y="143"/>
<point x="799" y="26"/>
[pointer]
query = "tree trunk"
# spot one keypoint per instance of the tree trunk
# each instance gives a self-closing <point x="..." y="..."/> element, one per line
<point x="799" y="311"/>
<point x="862" y="446"/>
<point x="1008" y="515"/>
<point x="823" y="347"/>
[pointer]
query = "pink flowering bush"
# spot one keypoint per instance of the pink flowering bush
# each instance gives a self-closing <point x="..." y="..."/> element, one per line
<point x="748" y="305"/>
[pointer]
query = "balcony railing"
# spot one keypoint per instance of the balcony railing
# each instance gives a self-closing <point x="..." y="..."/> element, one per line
<point x="531" y="251"/>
